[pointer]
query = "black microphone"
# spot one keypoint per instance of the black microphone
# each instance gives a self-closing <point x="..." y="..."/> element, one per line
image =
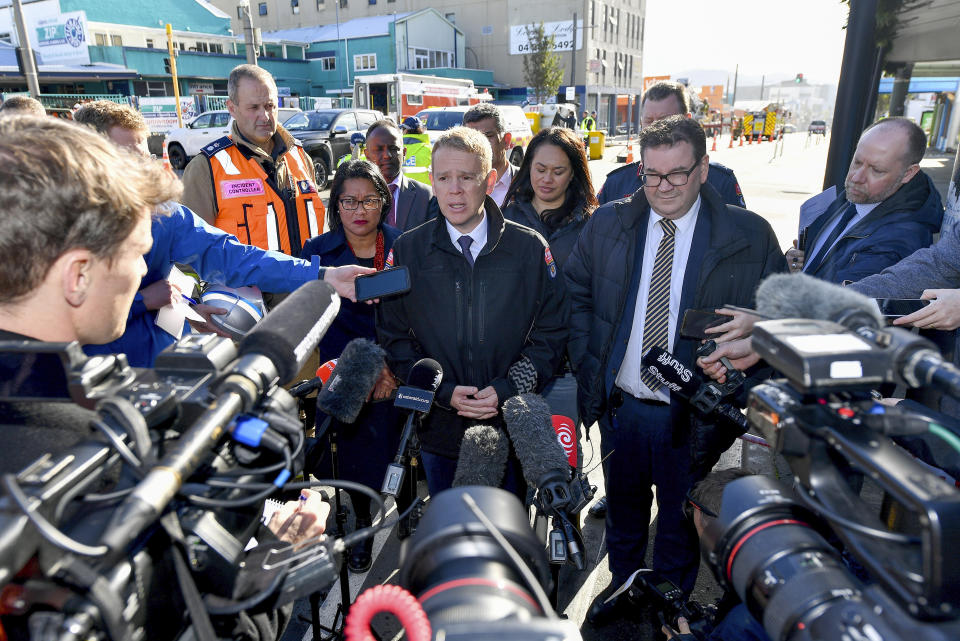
<point x="310" y="310"/>
<point x="683" y="381"/>
<point x="352" y="380"/>
<point x="483" y="457"/>
<point x="417" y="396"/>
<point x="803" y="296"/>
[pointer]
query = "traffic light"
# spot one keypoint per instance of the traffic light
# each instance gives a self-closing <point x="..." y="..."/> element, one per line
<point x="799" y="78"/>
<point x="166" y="65"/>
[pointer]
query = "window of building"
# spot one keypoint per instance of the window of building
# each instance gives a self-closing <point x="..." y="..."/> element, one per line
<point x="451" y="17"/>
<point x="216" y="47"/>
<point x="365" y="62"/>
<point x="181" y="46"/>
<point x="100" y="39"/>
<point x="372" y="1"/>
<point x="343" y="4"/>
<point x="116" y="41"/>
<point x="240" y="12"/>
<point x="6" y="37"/>
<point x="328" y="64"/>
<point x="202" y="46"/>
<point x="431" y="58"/>
<point x="321" y="4"/>
<point x="262" y="8"/>
<point x="295" y="6"/>
<point x="149" y="43"/>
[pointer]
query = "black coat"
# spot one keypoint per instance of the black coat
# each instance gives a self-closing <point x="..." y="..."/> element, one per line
<point x="413" y="204"/>
<point x="733" y="250"/>
<point x="561" y="240"/>
<point x="477" y="322"/>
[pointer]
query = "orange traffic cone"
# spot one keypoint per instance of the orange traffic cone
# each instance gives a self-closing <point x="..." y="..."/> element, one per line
<point x="714" y="147"/>
<point x="629" y="150"/>
<point x="741" y="140"/>
<point x="750" y="138"/>
<point x="166" y="158"/>
<point x="731" y="141"/>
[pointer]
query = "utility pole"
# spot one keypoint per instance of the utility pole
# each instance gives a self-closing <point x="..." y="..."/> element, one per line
<point x="573" y="56"/>
<point x="249" y="34"/>
<point x="736" y="74"/>
<point x="26" y="52"/>
<point x="173" y="74"/>
<point x="763" y="81"/>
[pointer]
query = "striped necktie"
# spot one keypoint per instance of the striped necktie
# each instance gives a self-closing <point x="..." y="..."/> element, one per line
<point x="656" y="324"/>
<point x="392" y="216"/>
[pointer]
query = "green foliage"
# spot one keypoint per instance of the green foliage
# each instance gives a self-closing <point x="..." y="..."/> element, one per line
<point x="889" y="18"/>
<point x="542" y="69"/>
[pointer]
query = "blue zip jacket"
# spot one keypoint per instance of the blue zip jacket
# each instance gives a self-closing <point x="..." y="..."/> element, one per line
<point x="897" y="227"/>
<point x="218" y="257"/>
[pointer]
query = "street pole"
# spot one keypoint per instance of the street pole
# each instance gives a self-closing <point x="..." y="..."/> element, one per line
<point x="736" y="75"/>
<point x="853" y="93"/>
<point x="173" y="73"/>
<point x="336" y="6"/>
<point x="26" y="52"/>
<point x="763" y="82"/>
<point x="249" y="34"/>
<point x="573" y="55"/>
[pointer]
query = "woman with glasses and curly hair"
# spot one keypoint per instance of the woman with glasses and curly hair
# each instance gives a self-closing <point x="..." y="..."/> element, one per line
<point x="358" y="235"/>
<point x="552" y="192"/>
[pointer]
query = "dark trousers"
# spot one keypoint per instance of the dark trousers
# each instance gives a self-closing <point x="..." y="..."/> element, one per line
<point x="639" y="435"/>
<point x="440" y="471"/>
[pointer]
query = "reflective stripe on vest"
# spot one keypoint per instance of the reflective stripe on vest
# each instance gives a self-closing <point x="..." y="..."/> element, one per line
<point x="248" y="206"/>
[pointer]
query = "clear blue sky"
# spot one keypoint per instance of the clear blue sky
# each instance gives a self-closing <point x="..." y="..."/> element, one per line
<point x="771" y="37"/>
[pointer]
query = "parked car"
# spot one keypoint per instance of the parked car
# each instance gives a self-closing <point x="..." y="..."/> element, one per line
<point x="325" y="134"/>
<point x="789" y="128"/>
<point x="817" y="127"/>
<point x="438" y="119"/>
<point x="183" y="143"/>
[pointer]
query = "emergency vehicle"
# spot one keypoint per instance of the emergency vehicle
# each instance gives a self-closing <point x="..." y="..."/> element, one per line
<point x="403" y="94"/>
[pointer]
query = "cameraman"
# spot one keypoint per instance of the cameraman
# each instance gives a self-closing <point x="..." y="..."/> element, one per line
<point x="702" y="505"/>
<point x="76" y="223"/>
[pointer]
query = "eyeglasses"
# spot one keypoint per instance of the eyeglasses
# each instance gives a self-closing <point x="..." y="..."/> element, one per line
<point x="689" y="505"/>
<point x="370" y="204"/>
<point x="675" y="178"/>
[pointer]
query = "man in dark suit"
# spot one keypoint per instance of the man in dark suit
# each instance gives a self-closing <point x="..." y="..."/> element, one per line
<point x="384" y="148"/>
<point x="638" y="265"/>
<point x="486" y="119"/>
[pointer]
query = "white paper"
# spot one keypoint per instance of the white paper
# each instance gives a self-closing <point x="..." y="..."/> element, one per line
<point x="170" y="318"/>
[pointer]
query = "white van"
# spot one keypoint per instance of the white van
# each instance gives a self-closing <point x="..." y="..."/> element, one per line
<point x="436" y="120"/>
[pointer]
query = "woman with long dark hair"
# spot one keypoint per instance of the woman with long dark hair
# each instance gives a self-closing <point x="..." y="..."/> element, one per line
<point x="552" y="191"/>
<point x="358" y="235"/>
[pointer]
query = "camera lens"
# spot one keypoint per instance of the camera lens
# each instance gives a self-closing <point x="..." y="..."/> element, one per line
<point x="764" y="546"/>
<point x="457" y="569"/>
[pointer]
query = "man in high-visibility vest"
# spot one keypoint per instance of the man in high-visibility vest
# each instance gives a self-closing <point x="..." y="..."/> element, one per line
<point x="257" y="183"/>
<point x="588" y="123"/>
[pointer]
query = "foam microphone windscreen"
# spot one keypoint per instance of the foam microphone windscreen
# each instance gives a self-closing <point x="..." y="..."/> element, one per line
<point x="483" y="457"/>
<point x="803" y="296"/>
<point x="354" y="377"/>
<point x="290" y="332"/>
<point x="530" y="426"/>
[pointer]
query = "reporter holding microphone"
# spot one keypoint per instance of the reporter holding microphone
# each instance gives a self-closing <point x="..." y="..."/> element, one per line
<point x="358" y="235"/>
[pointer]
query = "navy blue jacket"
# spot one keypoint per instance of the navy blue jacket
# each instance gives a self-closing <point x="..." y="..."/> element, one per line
<point x="355" y="320"/>
<point x="897" y="227"/>
<point x="624" y="181"/>
<point x="732" y="251"/>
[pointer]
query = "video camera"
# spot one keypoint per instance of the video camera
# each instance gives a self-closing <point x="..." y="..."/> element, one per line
<point x="92" y="537"/>
<point x="648" y="588"/>
<point x="779" y="552"/>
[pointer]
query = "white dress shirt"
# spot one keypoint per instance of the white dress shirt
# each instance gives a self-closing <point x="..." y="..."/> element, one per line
<point x="628" y="378"/>
<point x="503" y="185"/>
<point x="479" y="236"/>
<point x="862" y="211"/>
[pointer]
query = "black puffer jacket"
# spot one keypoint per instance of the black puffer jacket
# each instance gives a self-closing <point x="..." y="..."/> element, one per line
<point x="478" y="322"/>
<point x="733" y="250"/>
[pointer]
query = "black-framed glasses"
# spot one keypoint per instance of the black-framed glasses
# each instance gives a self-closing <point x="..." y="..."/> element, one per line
<point x="690" y="504"/>
<point x="675" y="178"/>
<point x="370" y="204"/>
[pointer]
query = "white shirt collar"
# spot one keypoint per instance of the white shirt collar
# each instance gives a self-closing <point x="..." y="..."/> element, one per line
<point x="684" y="223"/>
<point x="479" y="236"/>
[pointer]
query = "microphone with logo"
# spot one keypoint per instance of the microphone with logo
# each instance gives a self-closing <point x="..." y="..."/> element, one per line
<point x="545" y="467"/>
<point x="483" y="457"/>
<point x="417" y="397"/>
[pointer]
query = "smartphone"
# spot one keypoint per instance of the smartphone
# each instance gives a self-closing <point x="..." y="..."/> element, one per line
<point x="696" y="321"/>
<point x="384" y="283"/>
<point x="897" y="307"/>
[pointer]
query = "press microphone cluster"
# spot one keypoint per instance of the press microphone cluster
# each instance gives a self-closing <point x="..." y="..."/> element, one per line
<point x="559" y="494"/>
<point x="269" y="355"/>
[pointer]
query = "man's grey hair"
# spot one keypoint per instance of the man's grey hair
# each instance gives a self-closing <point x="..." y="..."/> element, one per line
<point x="249" y="72"/>
<point x="483" y="111"/>
<point x="22" y="105"/>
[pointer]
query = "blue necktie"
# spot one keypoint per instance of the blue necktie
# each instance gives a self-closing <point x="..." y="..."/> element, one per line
<point x="465" y="242"/>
